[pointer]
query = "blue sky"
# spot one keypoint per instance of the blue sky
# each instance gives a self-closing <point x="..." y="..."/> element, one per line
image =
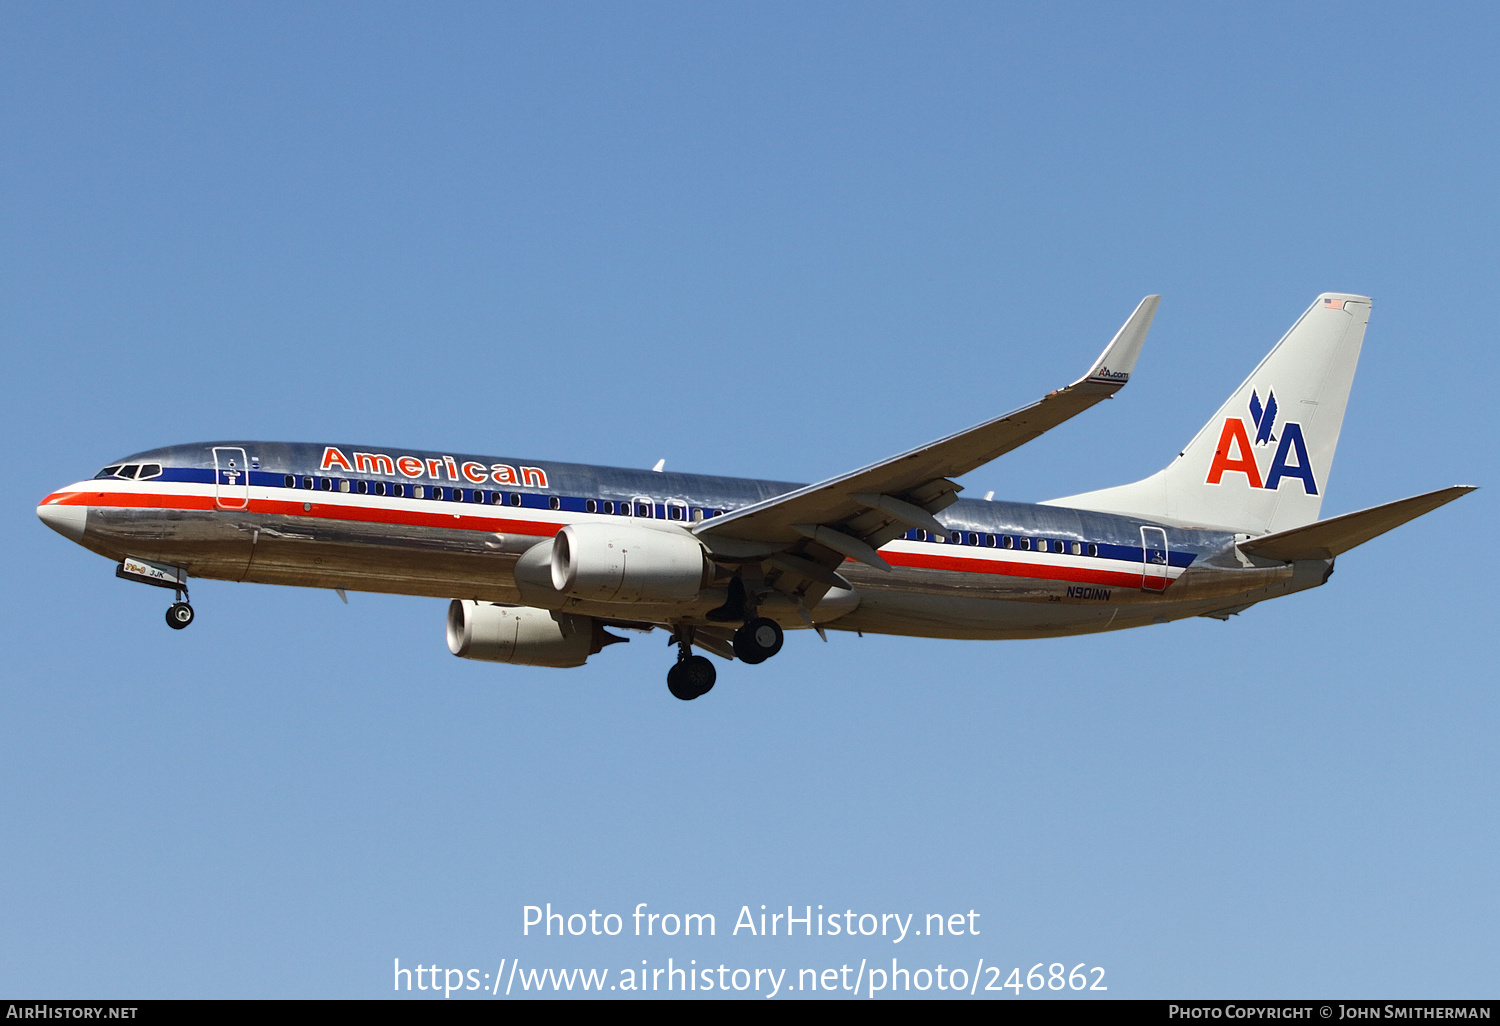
<point x="772" y="240"/>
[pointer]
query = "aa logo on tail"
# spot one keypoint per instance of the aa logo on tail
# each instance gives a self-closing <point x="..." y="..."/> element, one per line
<point x="1236" y="455"/>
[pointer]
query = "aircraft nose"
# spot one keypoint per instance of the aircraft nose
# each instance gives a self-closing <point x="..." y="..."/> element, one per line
<point x="67" y="521"/>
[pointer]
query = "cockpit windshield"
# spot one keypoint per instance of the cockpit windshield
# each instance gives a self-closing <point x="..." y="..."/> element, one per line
<point x="130" y="471"/>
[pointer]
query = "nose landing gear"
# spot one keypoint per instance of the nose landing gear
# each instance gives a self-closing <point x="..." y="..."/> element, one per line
<point x="161" y="575"/>
<point x="179" y="615"/>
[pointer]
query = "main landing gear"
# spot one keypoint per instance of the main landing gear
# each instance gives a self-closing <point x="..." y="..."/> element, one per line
<point x="758" y="640"/>
<point x="693" y="675"/>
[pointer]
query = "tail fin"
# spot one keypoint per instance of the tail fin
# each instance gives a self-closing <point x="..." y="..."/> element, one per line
<point x="1261" y="464"/>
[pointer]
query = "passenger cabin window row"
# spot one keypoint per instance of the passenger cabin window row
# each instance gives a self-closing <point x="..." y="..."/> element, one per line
<point x="1006" y="541"/>
<point x="646" y="508"/>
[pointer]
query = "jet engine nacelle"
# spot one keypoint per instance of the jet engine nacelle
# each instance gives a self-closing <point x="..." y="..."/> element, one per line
<point x="627" y="563"/>
<point x="523" y="634"/>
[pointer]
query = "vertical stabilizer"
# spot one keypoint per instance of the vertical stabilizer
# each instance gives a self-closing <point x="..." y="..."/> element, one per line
<point x="1262" y="463"/>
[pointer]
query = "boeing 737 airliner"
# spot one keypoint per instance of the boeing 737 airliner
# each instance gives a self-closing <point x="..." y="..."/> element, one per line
<point x="541" y="558"/>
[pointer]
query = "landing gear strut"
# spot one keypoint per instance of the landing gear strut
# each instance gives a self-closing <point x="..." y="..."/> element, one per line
<point x="758" y="640"/>
<point x="161" y="575"/>
<point x="693" y="675"/>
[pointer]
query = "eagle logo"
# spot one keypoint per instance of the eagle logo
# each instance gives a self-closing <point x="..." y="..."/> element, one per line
<point x="1265" y="418"/>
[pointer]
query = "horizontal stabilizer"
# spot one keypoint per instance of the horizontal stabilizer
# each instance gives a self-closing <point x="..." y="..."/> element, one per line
<point x="1327" y="538"/>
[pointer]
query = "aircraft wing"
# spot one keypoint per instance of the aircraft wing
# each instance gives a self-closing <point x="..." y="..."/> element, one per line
<point x="854" y="514"/>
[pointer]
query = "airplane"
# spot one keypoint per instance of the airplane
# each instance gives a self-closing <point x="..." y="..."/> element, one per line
<point x="541" y="559"/>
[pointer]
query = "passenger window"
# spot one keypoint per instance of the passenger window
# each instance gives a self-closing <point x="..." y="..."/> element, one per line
<point x="307" y="482"/>
<point x="590" y="506"/>
<point x="343" y="486"/>
<point x="515" y="498"/>
<point x="364" y="488"/>
<point x="291" y="482"/>
<point x="989" y="541"/>
<point x="1077" y="549"/>
<point x="697" y="516"/>
<point x="674" y="513"/>
<point x="325" y="483"/>
<point x="437" y="492"/>
<point x="1026" y="544"/>
<point x="1093" y="549"/>
<point x="400" y="491"/>
<point x="973" y="539"/>
<point x="643" y="509"/>
<point x="554" y="503"/>
<point x="418" y="492"/>
<point x="1008" y="541"/>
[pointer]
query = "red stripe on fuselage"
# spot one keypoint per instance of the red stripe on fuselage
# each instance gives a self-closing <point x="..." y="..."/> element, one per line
<point x="319" y="510"/>
<point x="131" y="500"/>
<point x="1011" y="568"/>
<point x="470" y="522"/>
<point x="406" y="518"/>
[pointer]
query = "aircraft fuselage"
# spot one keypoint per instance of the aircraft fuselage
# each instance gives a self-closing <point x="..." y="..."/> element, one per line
<point x="458" y="526"/>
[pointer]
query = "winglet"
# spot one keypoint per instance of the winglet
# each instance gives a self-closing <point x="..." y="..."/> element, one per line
<point x="1118" y="359"/>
